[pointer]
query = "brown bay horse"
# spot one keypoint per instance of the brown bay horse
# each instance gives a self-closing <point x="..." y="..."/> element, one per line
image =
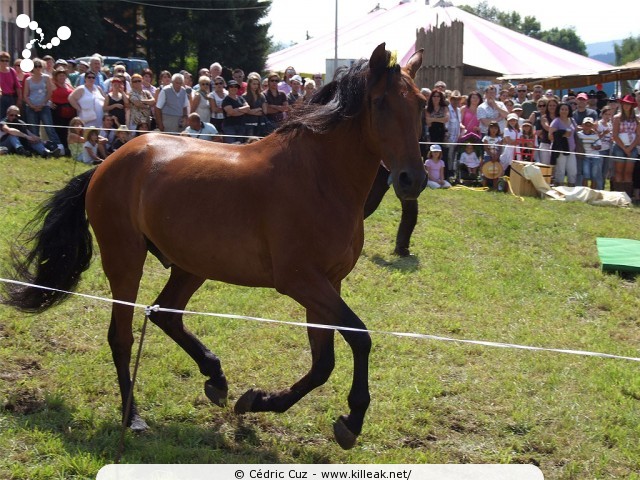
<point x="285" y="212"/>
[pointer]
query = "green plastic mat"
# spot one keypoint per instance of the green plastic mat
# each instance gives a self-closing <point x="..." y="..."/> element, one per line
<point x="619" y="254"/>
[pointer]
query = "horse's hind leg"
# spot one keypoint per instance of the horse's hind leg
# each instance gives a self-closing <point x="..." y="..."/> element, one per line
<point x="124" y="269"/>
<point x="324" y="306"/>
<point x="175" y="295"/>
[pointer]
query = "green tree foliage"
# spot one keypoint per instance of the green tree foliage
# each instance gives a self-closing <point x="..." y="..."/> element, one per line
<point x="171" y="35"/>
<point x="84" y="20"/>
<point x="628" y="51"/>
<point x="564" y="38"/>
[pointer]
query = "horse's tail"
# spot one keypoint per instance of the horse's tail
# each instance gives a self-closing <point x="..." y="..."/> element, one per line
<point x="62" y="250"/>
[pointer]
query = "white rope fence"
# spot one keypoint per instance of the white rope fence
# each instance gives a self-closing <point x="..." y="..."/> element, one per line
<point x="420" y="336"/>
<point x="222" y="135"/>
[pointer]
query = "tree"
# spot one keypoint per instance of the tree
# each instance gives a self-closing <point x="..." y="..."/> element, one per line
<point x="172" y="35"/>
<point x="82" y="18"/>
<point x="627" y="51"/>
<point x="564" y="38"/>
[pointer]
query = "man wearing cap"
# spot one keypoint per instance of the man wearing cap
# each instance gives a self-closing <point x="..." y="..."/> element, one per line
<point x="521" y="94"/>
<point x="83" y="67"/>
<point x="295" y="96"/>
<point x="235" y="108"/>
<point x="491" y="110"/>
<point x="317" y="77"/>
<point x="582" y="111"/>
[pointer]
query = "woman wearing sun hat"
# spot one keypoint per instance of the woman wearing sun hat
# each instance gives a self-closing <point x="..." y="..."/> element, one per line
<point x="625" y="142"/>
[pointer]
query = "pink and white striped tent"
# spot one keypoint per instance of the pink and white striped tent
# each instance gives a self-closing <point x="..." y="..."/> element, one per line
<point x="487" y="46"/>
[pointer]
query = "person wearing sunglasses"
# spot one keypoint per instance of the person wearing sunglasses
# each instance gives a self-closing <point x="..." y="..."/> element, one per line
<point x="200" y="98"/>
<point x="235" y="112"/>
<point x="140" y="104"/>
<point x="16" y="136"/>
<point x="276" y="106"/>
<point x="37" y="97"/>
<point x="10" y="87"/>
<point x="215" y="101"/>
<point x="88" y="100"/>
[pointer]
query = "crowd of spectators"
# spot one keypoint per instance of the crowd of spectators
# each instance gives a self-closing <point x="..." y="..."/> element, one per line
<point x="588" y="137"/>
<point x="221" y="105"/>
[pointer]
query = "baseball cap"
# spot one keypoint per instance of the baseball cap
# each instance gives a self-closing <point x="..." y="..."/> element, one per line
<point x="435" y="148"/>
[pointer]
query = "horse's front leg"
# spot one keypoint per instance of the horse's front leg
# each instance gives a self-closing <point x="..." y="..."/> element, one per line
<point x="324" y="306"/>
<point x="175" y="295"/>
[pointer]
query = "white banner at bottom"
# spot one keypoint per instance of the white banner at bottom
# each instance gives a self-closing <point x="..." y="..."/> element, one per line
<point x="319" y="472"/>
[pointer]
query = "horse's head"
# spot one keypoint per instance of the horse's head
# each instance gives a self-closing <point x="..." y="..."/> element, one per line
<point x="396" y="106"/>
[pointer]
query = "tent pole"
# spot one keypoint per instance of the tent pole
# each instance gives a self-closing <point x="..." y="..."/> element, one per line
<point x="335" y="52"/>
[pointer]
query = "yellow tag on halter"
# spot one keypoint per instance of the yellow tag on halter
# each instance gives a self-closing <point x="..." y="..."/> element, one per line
<point x="393" y="59"/>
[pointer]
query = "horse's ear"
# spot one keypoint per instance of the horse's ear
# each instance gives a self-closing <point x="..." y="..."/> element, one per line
<point x="379" y="59"/>
<point x="414" y="63"/>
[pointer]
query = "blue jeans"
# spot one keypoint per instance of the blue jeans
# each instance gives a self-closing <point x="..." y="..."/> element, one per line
<point x="234" y="130"/>
<point x="43" y="116"/>
<point x="592" y="170"/>
<point x="13" y="143"/>
<point x="616" y="151"/>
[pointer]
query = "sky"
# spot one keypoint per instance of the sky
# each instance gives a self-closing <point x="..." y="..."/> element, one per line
<point x="292" y="19"/>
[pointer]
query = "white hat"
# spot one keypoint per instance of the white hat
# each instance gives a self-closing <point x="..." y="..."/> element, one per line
<point x="435" y="148"/>
<point x="588" y="120"/>
<point x="512" y="116"/>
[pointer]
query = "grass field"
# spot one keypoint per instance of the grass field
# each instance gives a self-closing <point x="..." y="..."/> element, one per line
<point x="487" y="266"/>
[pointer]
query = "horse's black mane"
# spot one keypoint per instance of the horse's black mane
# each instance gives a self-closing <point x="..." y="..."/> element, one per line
<point x="340" y="99"/>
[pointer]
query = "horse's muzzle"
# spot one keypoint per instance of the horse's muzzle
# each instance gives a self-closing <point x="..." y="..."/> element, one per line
<point x="409" y="183"/>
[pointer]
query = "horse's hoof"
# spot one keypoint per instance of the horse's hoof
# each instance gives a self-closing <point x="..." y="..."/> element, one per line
<point x="138" y="425"/>
<point x="245" y="402"/>
<point x="215" y="394"/>
<point x="345" y="437"/>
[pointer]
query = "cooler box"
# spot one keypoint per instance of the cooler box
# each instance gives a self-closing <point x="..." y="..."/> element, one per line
<point x="523" y="187"/>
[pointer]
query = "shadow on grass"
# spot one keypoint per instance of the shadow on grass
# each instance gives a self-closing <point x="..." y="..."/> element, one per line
<point x="226" y="438"/>
<point x="404" y="264"/>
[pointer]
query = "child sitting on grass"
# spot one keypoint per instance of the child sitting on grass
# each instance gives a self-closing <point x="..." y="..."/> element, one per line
<point x="122" y="137"/>
<point x="469" y="161"/>
<point x="435" y="168"/>
<point x="90" y="148"/>
<point x="75" y="138"/>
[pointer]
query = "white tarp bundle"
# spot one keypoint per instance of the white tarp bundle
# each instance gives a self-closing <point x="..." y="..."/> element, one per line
<point x="574" y="194"/>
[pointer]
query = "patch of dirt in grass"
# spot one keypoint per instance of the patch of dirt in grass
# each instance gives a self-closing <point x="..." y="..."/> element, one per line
<point x="19" y="368"/>
<point x="25" y="401"/>
<point x="411" y="441"/>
